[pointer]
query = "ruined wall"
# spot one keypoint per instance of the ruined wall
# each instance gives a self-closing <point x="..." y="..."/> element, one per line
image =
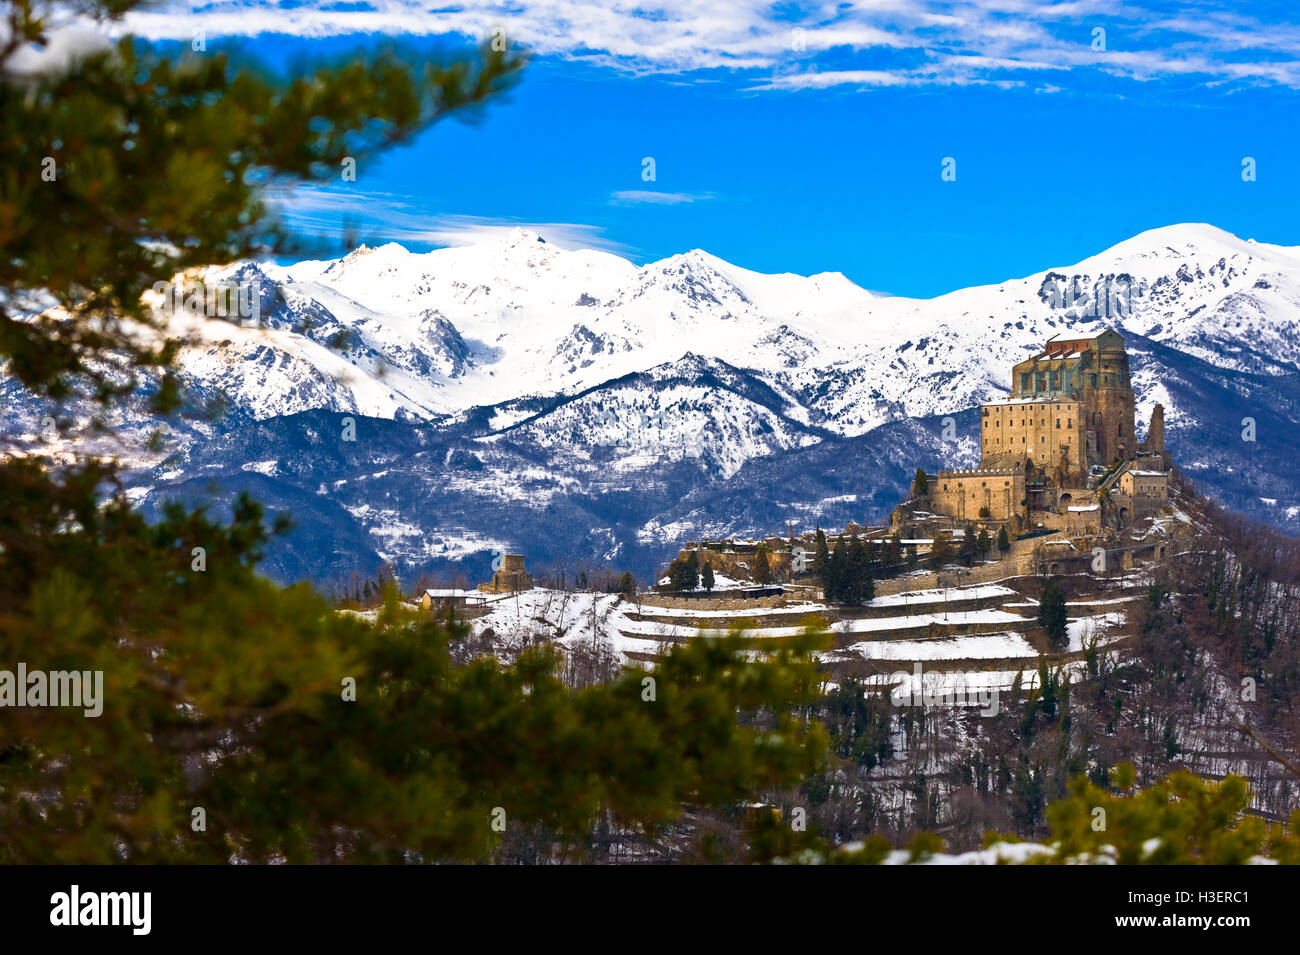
<point x="1014" y="566"/>
<point x="728" y="562"/>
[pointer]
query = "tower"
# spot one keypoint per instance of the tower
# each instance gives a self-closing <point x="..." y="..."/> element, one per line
<point x="1155" y="443"/>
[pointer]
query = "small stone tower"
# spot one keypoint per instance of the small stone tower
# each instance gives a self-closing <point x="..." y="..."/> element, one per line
<point x="1155" y="443"/>
<point x="510" y="578"/>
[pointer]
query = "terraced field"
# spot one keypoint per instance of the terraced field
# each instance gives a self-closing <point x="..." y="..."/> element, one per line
<point x="981" y="636"/>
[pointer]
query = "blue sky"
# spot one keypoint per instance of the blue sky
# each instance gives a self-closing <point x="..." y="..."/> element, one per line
<point x="822" y="150"/>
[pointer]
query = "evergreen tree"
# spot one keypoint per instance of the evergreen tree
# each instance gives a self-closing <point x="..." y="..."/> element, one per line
<point x="837" y="567"/>
<point x="1004" y="542"/>
<point x="984" y="544"/>
<point x="920" y="484"/>
<point x="820" y="553"/>
<point x="693" y="570"/>
<point x="859" y="574"/>
<point x="893" y="551"/>
<point x="1052" y="612"/>
<point x="627" y="585"/>
<point x="204" y="134"/>
<point x="969" y="548"/>
<point x="328" y="722"/>
<point x="940" y="551"/>
<point x="682" y="574"/>
<point x="338" y="737"/>
<point x="762" y="567"/>
<point x="706" y="577"/>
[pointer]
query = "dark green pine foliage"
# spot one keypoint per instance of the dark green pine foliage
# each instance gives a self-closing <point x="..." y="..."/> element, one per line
<point x="940" y="551"/>
<point x="762" y="566"/>
<point x="1052" y="612"/>
<point x="339" y="738"/>
<point x="969" y="548"/>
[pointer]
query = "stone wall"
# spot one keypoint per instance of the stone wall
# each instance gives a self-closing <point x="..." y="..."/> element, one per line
<point x="713" y="603"/>
<point x="1011" y="566"/>
<point x="961" y="494"/>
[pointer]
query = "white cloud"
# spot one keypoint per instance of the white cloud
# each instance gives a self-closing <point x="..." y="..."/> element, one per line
<point x="387" y="217"/>
<point x="638" y="196"/>
<point x="467" y="230"/>
<point x="912" y="42"/>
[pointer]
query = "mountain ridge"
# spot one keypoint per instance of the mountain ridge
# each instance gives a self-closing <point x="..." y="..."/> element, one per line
<point x="632" y="400"/>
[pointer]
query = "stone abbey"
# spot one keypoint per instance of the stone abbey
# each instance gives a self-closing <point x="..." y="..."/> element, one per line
<point x="1070" y="409"/>
<point x="1063" y="443"/>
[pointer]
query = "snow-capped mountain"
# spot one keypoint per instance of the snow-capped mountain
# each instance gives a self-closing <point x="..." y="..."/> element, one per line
<point x="440" y="333"/>
<point x="643" y="405"/>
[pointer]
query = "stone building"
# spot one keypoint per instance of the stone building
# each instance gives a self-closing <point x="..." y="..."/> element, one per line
<point x="510" y="578"/>
<point x="1140" y="493"/>
<point x="1071" y="407"/>
<point x="994" y="494"/>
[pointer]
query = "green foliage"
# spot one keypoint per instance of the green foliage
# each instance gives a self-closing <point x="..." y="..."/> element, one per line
<point x="893" y="552"/>
<point x="848" y="573"/>
<point x="1004" y="542"/>
<point x="969" y="548"/>
<point x="820" y="553"/>
<point x="920" y="483"/>
<point x="940" y="551"/>
<point x="224" y="692"/>
<point x="1052" y="612"/>
<point x="762" y="566"/>
<point x="627" y="585"/>
<point x="684" y="572"/>
<point x="1181" y="820"/>
<point x="858" y="723"/>
<point x="706" y="577"/>
<point x="160" y="162"/>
